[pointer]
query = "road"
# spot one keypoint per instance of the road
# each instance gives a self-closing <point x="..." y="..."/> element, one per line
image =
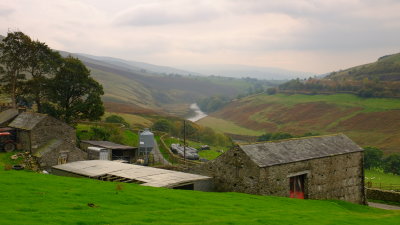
<point x="158" y="157"/>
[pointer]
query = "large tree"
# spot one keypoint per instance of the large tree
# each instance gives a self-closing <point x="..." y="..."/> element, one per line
<point x="42" y="64"/>
<point x="13" y="60"/>
<point x="74" y="95"/>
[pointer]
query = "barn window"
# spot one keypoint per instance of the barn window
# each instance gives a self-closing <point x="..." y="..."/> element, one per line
<point x="62" y="158"/>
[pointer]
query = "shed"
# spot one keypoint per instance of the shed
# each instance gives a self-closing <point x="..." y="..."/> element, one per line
<point x="50" y="140"/>
<point x="116" y="151"/>
<point x="128" y="173"/>
<point x="7" y="115"/>
<point x="324" y="167"/>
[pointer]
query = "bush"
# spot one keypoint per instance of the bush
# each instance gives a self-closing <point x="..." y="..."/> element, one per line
<point x="116" y="119"/>
<point x="392" y="164"/>
<point x="271" y="91"/>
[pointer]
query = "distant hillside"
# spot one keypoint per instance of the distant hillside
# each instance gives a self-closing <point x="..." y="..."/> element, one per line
<point x="238" y="71"/>
<point x="372" y="121"/>
<point x="138" y="66"/>
<point x="386" y="68"/>
<point x="378" y="79"/>
<point x="124" y="83"/>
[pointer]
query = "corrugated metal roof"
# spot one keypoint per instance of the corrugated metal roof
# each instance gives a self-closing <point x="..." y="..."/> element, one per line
<point x="7" y="115"/>
<point x="150" y="176"/>
<point x="294" y="150"/>
<point x="27" y="120"/>
<point x="109" y="145"/>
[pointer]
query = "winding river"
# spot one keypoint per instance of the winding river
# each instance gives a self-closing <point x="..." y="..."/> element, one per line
<point x="198" y="113"/>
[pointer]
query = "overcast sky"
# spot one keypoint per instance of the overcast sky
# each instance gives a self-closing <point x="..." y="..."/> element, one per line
<point x="305" y="35"/>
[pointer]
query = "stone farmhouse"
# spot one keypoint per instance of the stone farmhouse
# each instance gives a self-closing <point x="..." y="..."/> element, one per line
<point x="51" y="141"/>
<point x="325" y="167"/>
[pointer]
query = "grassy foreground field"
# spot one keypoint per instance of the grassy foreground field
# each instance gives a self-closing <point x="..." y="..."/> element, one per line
<point x="367" y="121"/>
<point x="29" y="198"/>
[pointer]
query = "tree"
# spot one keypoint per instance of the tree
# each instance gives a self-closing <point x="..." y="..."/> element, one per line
<point x="74" y="95"/>
<point x="13" y="58"/>
<point x="372" y="157"/>
<point x="162" y="125"/>
<point x="42" y="63"/>
<point x="392" y="164"/>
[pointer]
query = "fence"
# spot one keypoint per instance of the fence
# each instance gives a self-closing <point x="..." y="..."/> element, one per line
<point x="384" y="186"/>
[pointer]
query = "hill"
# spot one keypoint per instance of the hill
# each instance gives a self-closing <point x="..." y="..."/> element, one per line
<point x="30" y="198"/>
<point x="386" y="68"/>
<point x="126" y="83"/>
<point x="368" y="121"/>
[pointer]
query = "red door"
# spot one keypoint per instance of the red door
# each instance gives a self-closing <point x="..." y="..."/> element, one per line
<point x="297" y="187"/>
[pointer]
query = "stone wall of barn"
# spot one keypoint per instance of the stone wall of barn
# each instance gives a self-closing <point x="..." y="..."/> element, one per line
<point x="51" y="128"/>
<point x="232" y="171"/>
<point x="51" y="158"/>
<point x="335" y="177"/>
<point x="23" y="138"/>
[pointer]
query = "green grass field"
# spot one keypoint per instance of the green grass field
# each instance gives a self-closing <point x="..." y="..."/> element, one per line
<point x="213" y="153"/>
<point x="30" y="198"/>
<point x="382" y="180"/>
<point x="132" y="119"/>
<point x="345" y="100"/>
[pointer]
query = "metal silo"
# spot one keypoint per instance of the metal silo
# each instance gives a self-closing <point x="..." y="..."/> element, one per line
<point x="146" y="144"/>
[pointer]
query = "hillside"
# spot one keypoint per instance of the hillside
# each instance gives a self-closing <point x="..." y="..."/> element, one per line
<point x="372" y="121"/>
<point x="30" y="198"/>
<point x="386" y="68"/>
<point x="130" y="84"/>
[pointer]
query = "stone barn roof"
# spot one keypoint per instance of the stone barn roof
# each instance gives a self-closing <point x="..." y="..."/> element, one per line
<point x="294" y="150"/>
<point x="109" y="145"/>
<point x="7" y="115"/>
<point x="27" y="120"/>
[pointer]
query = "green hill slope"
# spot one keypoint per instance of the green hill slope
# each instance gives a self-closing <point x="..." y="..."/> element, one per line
<point x="30" y="198"/>
<point x="386" y="68"/>
<point x="371" y="121"/>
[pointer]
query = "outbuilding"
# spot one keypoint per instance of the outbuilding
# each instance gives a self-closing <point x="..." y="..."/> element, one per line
<point x="128" y="173"/>
<point x="114" y="151"/>
<point x="324" y="167"/>
<point x="50" y="140"/>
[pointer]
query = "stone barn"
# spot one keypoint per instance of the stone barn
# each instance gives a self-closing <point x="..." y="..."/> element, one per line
<point x="51" y="141"/>
<point x="325" y="167"/>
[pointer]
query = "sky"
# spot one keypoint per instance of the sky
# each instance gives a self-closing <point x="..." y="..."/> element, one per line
<point x="316" y="36"/>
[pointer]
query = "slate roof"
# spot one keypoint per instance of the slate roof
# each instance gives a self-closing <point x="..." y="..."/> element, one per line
<point x="48" y="147"/>
<point x="294" y="150"/>
<point x="27" y="120"/>
<point x="148" y="175"/>
<point x="7" y="115"/>
<point x="109" y="145"/>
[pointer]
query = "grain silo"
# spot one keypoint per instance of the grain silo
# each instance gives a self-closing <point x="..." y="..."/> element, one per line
<point x="146" y="144"/>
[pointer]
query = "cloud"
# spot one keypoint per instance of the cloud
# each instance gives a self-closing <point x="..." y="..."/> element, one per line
<point x="296" y="34"/>
<point x="167" y="12"/>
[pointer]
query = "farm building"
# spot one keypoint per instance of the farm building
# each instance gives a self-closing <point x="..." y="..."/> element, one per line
<point x="325" y="167"/>
<point x="7" y="115"/>
<point x="114" y="151"/>
<point x="128" y="173"/>
<point x="51" y="141"/>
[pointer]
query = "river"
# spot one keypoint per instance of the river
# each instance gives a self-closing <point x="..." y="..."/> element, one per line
<point x="198" y="113"/>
